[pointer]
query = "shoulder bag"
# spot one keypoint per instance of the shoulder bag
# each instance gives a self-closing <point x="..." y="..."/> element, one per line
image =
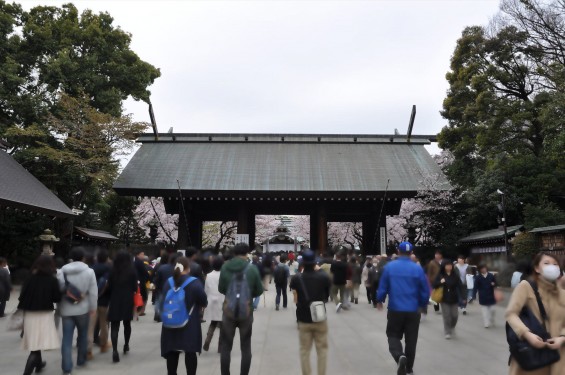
<point x="528" y="357"/>
<point x="437" y="294"/>
<point x="16" y="321"/>
<point x="317" y="308"/>
<point x="71" y="293"/>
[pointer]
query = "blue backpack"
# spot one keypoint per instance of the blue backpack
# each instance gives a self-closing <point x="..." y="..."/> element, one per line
<point x="174" y="313"/>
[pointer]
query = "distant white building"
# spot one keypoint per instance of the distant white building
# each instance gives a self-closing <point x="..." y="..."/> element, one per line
<point x="280" y="241"/>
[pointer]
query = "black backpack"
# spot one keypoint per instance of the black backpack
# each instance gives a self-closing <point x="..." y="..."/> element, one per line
<point x="238" y="297"/>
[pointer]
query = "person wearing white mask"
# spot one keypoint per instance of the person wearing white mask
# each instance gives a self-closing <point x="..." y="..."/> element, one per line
<point x="545" y="277"/>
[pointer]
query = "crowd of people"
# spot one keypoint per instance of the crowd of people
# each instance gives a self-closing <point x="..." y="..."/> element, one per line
<point x="96" y="296"/>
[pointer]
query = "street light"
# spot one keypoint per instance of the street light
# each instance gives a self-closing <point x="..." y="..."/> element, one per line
<point x="503" y="209"/>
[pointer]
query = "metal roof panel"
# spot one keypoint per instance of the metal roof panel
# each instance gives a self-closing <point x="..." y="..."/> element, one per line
<point x="282" y="166"/>
<point x="20" y="189"/>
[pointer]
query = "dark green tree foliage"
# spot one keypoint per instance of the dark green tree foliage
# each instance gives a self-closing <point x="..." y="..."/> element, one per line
<point x="118" y="216"/>
<point x="63" y="78"/>
<point x="17" y="236"/>
<point x="505" y="116"/>
<point x="50" y="49"/>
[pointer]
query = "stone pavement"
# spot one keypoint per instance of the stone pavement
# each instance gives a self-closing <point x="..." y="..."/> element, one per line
<point x="357" y="345"/>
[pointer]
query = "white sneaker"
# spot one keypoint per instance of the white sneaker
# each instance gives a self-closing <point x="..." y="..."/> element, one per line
<point x="338" y="307"/>
<point x="448" y="337"/>
<point x="464" y="311"/>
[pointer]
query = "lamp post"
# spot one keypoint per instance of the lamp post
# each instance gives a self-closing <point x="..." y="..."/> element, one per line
<point x="503" y="209"/>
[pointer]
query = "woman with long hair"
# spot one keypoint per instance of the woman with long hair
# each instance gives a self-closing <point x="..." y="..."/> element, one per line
<point x="122" y="285"/>
<point x="545" y="276"/>
<point x="451" y="284"/>
<point x="187" y="339"/>
<point x="37" y="297"/>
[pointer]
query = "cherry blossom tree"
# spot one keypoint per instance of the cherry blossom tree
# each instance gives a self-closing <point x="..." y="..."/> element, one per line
<point x="301" y="228"/>
<point x="265" y="227"/>
<point x="154" y="220"/>
<point x="431" y="218"/>
<point x="347" y="234"/>
<point x="218" y="234"/>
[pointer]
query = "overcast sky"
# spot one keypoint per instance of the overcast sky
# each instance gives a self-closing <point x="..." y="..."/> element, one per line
<point x="295" y="66"/>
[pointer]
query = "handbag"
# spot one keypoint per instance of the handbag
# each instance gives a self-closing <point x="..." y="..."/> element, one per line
<point x="498" y="296"/>
<point x="528" y="357"/>
<point x="16" y="321"/>
<point x="317" y="308"/>
<point x="437" y="295"/>
<point x="137" y="299"/>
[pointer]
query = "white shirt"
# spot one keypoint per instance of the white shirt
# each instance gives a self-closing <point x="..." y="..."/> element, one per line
<point x="462" y="271"/>
<point x="470" y="281"/>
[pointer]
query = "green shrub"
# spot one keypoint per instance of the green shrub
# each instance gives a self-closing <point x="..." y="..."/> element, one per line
<point x="525" y="246"/>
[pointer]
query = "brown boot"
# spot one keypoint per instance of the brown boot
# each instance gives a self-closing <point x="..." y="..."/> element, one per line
<point x="209" y="336"/>
<point x="105" y="347"/>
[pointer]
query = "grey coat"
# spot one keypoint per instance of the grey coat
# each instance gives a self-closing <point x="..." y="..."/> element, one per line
<point x="82" y="276"/>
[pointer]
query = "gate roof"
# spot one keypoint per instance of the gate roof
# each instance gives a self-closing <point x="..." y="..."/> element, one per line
<point x="259" y="163"/>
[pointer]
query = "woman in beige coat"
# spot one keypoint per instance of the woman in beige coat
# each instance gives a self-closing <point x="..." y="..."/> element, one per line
<point x="546" y="273"/>
<point x="214" y="310"/>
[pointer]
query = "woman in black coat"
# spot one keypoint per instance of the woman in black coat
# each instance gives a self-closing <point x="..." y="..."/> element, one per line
<point x="451" y="284"/>
<point x="37" y="297"/>
<point x="187" y="339"/>
<point x="122" y="285"/>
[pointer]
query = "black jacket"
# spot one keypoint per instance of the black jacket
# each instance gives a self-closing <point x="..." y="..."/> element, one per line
<point x="5" y="285"/>
<point x="485" y="287"/>
<point x="121" y="289"/>
<point x="39" y="293"/>
<point x="161" y="276"/>
<point x="451" y="287"/>
<point x="339" y="271"/>
<point x="142" y="272"/>
<point x="102" y="270"/>
<point x="317" y="284"/>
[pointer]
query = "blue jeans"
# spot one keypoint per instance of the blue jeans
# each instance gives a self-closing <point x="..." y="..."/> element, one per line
<point x="469" y="294"/>
<point x="256" y="302"/>
<point x="69" y="324"/>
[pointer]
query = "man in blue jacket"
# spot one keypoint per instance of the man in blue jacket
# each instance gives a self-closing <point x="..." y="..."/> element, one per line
<point x="406" y="286"/>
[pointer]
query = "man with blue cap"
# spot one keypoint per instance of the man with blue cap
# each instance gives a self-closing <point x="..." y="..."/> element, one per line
<point x="405" y="284"/>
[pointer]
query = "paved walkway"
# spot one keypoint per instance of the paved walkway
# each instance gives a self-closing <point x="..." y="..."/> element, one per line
<point x="357" y="345"/>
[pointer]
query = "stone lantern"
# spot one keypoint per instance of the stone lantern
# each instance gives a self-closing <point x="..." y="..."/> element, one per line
<point x="153" y="229"/>
<point x="47" y="240"/>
